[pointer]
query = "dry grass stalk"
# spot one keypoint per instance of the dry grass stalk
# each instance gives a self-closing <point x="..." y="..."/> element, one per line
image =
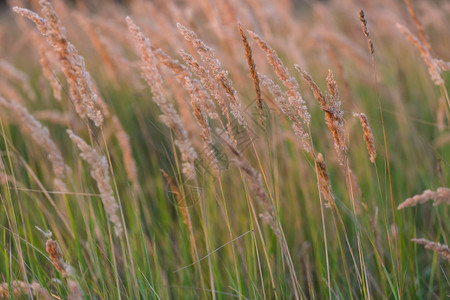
<point x="335" y="117"/>
<point x="201" y="117"/>
<point x="441" y="249"/>
<point x="40" y="134"/>
<point x="354" y="189"/>
<point x="253" y="73"/>
<point x="210" y="85"/>
<point x="422" y="34"/>
<point x="206" y="80"/>
<point x="202" y="106"/>
<point x="72" y="64"/>
<point x="100" y="173"/>
<point x="170" y="117"/>
<point x="255" y="182"/>
<point x="284" y="105"/>
<point x="435" y="66"/>
<point x="55" y="253"/>
<point x="313" y="86"/>
<point x="209" y="57"/>
<point x="440" y="114"/>
<point x="184" y="211"/>
<point x="324" y="180"/>
<point x="181" y="73"/>
<point x="127" y="151"/>
<point x="49" y="74"/>
<point x="441" y="195"/>
<point x="269" y="214"/>
<point x="20" y="289"/>
<point x="293" y="94"/>
<point x="368" y="135"/>
<point x="362" y="18"/>
<point x="332" y="109"/>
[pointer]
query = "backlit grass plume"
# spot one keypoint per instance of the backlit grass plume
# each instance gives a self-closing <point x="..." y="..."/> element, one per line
<point x="72" y="64"/>
<point x="100" y="172"/>
<point x="170" y="116"/>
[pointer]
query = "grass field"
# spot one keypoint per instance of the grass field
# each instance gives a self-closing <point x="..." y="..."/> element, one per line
<point x="224" y="149"/>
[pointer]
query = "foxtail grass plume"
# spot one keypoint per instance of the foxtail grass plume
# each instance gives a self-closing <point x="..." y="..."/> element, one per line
<point x="170" y="116"/>
<point x="54" y="251"/>
<point x="440" y="196"/>
<point x="368" y="135"/>
<point x="253" y="72"/>
<point x="179" y="197"/>
<point x="202" y="106"/>
<point x="211" y="85"/>
<point x="435" y="67"/>
<point x="208" y="55"/>
<point x="181" y="72"/>
<point x="284" y="105"/>
<point x="294" y="97"/>
<point x="332" y="109"/>
<point x="422" y="34"/>
<point x="335" y="117"/>
<point x="21" y="289"/>
<point x="442" y="250"/>
<point x="324" y="180"/>
<point x="72" y="64"/>
<point x="362" y="18"/>
<point x="201" y="117"/>
<point x="100" y="173"/>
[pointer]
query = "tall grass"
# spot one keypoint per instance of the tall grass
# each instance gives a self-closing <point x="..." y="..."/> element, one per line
<point x="224" y="149"/>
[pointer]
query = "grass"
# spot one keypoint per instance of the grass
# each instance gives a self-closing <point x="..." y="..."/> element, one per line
<point x="279" y="208"/>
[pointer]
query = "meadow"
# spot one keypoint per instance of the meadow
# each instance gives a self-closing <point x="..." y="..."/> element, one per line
<point x="227" y="149"/>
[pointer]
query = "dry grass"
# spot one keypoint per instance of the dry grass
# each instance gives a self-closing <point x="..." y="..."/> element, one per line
<point x="239" y="210"/>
